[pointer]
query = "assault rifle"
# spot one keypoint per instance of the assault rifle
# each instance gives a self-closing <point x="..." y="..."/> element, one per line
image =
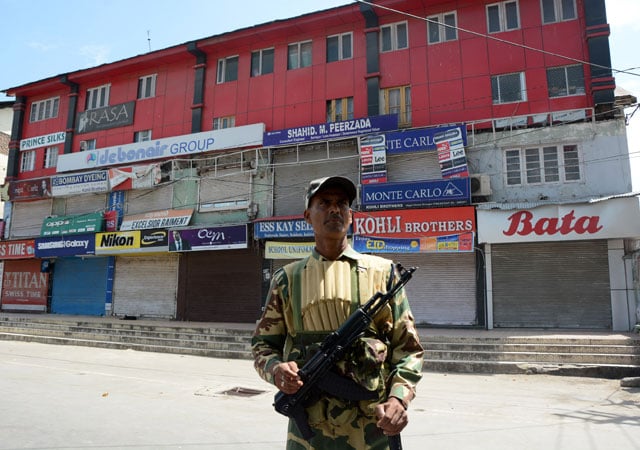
<point x="315" y="371"/>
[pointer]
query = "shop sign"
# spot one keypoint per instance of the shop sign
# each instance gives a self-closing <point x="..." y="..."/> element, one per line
<point x="166" y="218"/>
<point x="419" y="140"/>
<point x="24" y="286"/>
<point x="60" y="246"/>
<point x="331" y="130"/>
<point x="454" y="191"/>
<point x="80" y="183"/>
<point x="131" y="242"/>
<point x="281" y="228"/>
<point x="20" y="249"/>
<point x="43" y="141"/>
<point x="608" y="219"/>
<point x="30" y="189"/>
<point x="210" y="238"/>
<point x="82" y="223"/>
<point x="287" y="250"/>
<point x="431" y="244"/>
<point x="373" y="159"/>
<point x="415" y="223"/>
<point x="185" y="145"/>
<point x="105" y="118"/>
<point x="451" y="154"/>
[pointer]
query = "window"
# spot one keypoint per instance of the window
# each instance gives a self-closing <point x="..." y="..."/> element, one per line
<point x="394" y="37"/>
<point x="508" y="88"/>
<point x="141" y="136"/>
<point x="540" y="165"/>
<point x="50" y="157"/>
<point x="227" y="69"/>
<point x="45" y="109"/>
<point x="558" y="10"/>
<point x="339" y="47"/>
<point x="299" y="55"/>
<point x="147" y="86"/>
<point x="502" y="17"/>
<point x="97" y="97"/>
<point x="89" y="144"/>
<point x="261" y="62"/>
<point x="442" y="28"/>
<point x="397" y="101"/>
<point x="224" y="122"/>
<point x="27" y="160"/>
<point x="564" y="81"/>
<point x="340" y="109"/>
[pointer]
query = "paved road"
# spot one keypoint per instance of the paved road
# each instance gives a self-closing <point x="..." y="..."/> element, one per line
<point x="63" y="397"/>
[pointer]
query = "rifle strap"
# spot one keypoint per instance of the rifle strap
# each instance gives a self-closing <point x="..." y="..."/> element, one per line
<point x="344" y="388"/>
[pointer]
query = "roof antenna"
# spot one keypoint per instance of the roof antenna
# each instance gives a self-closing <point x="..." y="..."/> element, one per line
<point x="149" y="38"/>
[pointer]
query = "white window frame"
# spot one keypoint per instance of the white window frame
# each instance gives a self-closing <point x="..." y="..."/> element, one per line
<point x="44" y="109"/>
<point x="142" y="136"/>
<point x="147" y="86"/>
<point x="403" y="109"/>
<point x="439" y="21"/>
<point x="568" y="89"/>
<point x="549" y="164"/>
<point x="503" y="22"/>
<point x="501" y="98"/>
<point x="50" y="157"/>
<point x="395" y="36"/>
<point x="558" y="11"/>
<point x="222" y="75"/>
<point x="27" y="161"/>
<point x="98" y="97"/>
<point x="339" y="109"/>
<point x="220" y="123"/>
<point x="261" y="57"/>
<point x="87" y="144"/>
<point x="299" y="55"/>
<point x="344" y="51"/>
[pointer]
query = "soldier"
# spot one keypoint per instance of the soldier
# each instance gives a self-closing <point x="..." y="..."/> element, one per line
<point x="312" y="297"/>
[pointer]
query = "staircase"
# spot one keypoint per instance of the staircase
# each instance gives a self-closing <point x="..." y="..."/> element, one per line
<point x="598" y="354"/>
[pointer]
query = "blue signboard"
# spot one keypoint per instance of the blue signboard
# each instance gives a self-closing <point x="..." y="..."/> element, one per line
<point x="453" y="191"/>
<point x="331" y="130"/>
<point x="72" y="245"/>
<point x="284" y="228"/>
<point x="209" y="238"/>
<point x="418" y="140"/>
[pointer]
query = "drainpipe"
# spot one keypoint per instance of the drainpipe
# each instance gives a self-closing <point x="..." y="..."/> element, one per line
<point x="372" y="77"/>
<point x="71" y="115"/>
<point x="13" y="161"/>
<point x="198" y="86"/>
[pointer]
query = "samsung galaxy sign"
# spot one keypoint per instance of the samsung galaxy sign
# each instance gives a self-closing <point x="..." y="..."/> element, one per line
<point x="244" y="136"/>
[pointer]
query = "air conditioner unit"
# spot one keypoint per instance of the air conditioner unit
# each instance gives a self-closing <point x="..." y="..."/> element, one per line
<point x="480" y="185"/>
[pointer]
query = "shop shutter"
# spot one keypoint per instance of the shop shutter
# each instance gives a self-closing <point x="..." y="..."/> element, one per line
<point x="27" y="217"/>
<point x="413" y="167"/>
<point x="146" y="286"/>
<point x="225" y="192"/>
<point x="79" y="286"/>
<point x="551" y="285"/>
<point x="84" y="204"/>
<point x="146" y="200"/>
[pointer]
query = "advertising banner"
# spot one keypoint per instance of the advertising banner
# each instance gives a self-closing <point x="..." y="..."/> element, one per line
<point x="373" y="159"/>
<point x="288" y="227"/>
<point x="79" y="183"/>
<point x="20" y="249"/>
<point x="166" y="218"/>
<point x="331" y="130"/>
<point x="30" y="189"/>
<point x="451" y="154"/>
<point x="451" y="192"/>
<point x="24" y="286"/>
<point x="419" y="140"/>
<point x="43" y="141"/>
<point x="210" y="238"/>
<point x="287" y="250"/>
<point x="60" y="246"/>
<point x="132" y="242"/>
<point x="134" y="177"/>
<point x="434" y="244"/>
<point x="105" y="118"/>
<point x="83" y="223"/>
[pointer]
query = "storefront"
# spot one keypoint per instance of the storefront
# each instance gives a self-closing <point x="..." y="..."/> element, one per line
<point x="23" y="280"/>
<point x="560" y="266"/>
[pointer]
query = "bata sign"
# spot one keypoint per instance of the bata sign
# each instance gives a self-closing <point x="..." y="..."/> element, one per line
<point x="610" y="219"/>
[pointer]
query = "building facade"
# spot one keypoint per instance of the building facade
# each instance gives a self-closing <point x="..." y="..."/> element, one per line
<point x="485" y="138"/>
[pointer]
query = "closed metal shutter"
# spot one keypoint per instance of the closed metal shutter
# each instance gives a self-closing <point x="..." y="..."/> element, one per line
<point x="295" y="167"/>
<point x="27" y="217"/>
<point x="551" y="285"/>
<point x="79" y="286"/>
<point x="87" y="203"/>
<point x="413" y="167"/>
<point x="443" y="289"/>
<point x="220" y="286"/>
<point x="146" y="200"/>
<point x="225" y="192"/>
<point x="146" y="286"/>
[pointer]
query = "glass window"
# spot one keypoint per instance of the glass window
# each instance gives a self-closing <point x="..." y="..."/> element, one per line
<point x="50" y="157"/>
<point x="141" y="136"/>
<point x="339" y="47"/>
<point x="508" y="88"/>
<point x="299" y="55"/>
<point x="89" y="144"/>
<point x="394" y="37"/>
<point x="262" y="62"/>
<point x="442" y="27"/>
<point x="564" y="81"/>
<point x="224" y="122"/>
<point x="147" y="86"/>
<point x="513" y="167"/>
<point x="571" y="163"/>
<point x="340" y="109"/>
<point x="44" y="109"/>
<point x="27" y="160"/>
<point x="503" y="16"/>
<point x="227" y="69"/>
<point x="558" y="10"/>
<point x="98" y="97"/>
<point x="550" y="164"/>
<point x="397" y="100"/>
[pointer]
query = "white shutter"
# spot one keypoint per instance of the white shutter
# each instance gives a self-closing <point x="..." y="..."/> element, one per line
<point x="27" y="217"/>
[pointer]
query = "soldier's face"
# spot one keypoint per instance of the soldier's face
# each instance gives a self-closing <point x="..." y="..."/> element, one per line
<point x="329" y="213"/>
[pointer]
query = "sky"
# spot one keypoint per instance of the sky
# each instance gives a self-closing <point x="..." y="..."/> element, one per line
<point x="41" y="38"/>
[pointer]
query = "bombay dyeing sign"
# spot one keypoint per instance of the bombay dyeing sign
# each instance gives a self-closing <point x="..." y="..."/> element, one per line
<point x="610" y="219"/>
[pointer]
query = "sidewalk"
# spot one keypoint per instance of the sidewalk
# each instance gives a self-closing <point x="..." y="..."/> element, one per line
<point x="66" y="397"/>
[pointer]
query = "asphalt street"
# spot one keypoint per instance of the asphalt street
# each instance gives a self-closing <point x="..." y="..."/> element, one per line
<point x="67" y="397"/>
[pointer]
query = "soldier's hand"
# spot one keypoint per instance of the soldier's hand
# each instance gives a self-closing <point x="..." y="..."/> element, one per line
<point x="392" y="417"/>
<point x="286" y="377"/>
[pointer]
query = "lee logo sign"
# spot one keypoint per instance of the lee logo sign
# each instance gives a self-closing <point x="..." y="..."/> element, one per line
<point x="610" y="219"/>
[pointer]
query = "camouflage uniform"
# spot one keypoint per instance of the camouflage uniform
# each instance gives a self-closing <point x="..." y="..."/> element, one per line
<point x="314" y="296"/>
